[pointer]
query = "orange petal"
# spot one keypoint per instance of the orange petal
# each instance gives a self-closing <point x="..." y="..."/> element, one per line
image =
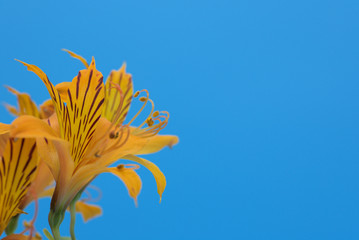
<point x="88" y="211"/>
<point x="4" y="128"/>
<point x="47" y="109"/>
<point x="42" y="180"/>
<point x="62" y="88"/>
<point x="60" y="107"/>
<point x="74" y="55"/>
<point x="130" y="178"/>
<point x="30" y="127"/>
<point x="157" y="142"/>
<point x="26" y="105"/>
<point x="159" y="176"/>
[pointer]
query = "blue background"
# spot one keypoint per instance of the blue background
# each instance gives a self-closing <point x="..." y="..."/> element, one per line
<point x="263" y="95"/>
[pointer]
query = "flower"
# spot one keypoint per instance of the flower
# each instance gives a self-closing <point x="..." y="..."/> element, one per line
<point x="87" y="134"/>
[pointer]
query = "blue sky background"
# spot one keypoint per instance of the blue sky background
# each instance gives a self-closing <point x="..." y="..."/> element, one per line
<point x="263" y="95"/>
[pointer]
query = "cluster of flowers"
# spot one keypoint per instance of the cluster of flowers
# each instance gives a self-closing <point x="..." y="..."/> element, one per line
<point x="57" y="149"/>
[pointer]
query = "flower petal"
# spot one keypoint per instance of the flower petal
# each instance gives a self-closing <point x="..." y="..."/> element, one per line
<point x="17" y="170"/>
<point x="88" y="211"/>
<point x="62" y="88"/>
<point x="74" y="55"/>
<point x="85" y="102"/>
<point x="130" y="178"/>
<point x="42" y="180"/>
<point x="119" y="91"/>
<point x="156" y="143"/>
<point x="59" y="105"/>
<point x="26" y="105"/>
<point x="30" y="127"/>
<point x="159" y="176"/>
<point x="47" y="109"/>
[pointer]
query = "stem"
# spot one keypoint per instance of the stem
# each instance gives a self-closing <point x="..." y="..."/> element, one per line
<point x="56" y="233"/>
<point x="73" y="219"/>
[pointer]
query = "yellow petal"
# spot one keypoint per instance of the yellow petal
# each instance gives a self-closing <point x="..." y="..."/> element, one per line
<point x="88" y="211"/>
<point x="19" y="163"/>
<point x="26" y="105"/>
<point x="156" y="143"/>
<point x="118" y="95"/>
<point x="130" y="178"/>
<point x="159" y="176"/>
<point x="74" y="55"/>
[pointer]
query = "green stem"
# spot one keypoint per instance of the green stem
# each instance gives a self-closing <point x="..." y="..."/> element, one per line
<point x="73" y="219"/>
<point x="56" y="233"/>
<point x="55" y="220"/>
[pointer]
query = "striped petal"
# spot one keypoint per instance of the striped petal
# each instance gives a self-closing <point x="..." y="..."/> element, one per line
<point x="17" y="170"/>
<point x="118" y="95"/>
<point x="79" y="116"/>
<point x="85" y="103"/>
<point x="60" y="107"/>
<point x="127" y="174"/>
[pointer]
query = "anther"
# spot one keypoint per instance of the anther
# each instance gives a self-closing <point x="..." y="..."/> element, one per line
<point x="149" y="121"/>
<point x="120" y="166"/>
<point x="142" y="99"/>
<point x="113" y="135"/>
<point x="155" y="114"/>
<point x="136" y="94"/>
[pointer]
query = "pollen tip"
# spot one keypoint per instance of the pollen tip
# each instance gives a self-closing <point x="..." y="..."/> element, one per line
<point x="156" y="113"/>
<point x="136" y="94"/>
<point x="142" y="99"/>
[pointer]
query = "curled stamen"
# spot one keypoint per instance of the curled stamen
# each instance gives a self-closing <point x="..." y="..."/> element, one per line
<point x="158" y="124"/>
<point x="143" y="106"/>
<point x="149" y="116"/>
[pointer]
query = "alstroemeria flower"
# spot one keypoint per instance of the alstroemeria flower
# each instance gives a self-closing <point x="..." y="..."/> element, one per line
<point x="89" y="121"/>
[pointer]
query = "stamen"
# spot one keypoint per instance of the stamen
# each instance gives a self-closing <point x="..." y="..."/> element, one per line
<point x="153" y="108"/>
<point x="154" y="128"/>
<point x="136" y="94"/>
<point x="143" y="106"/>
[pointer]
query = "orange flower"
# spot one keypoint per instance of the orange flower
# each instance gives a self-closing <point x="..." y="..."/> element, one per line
<point x="87" y="134"/>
